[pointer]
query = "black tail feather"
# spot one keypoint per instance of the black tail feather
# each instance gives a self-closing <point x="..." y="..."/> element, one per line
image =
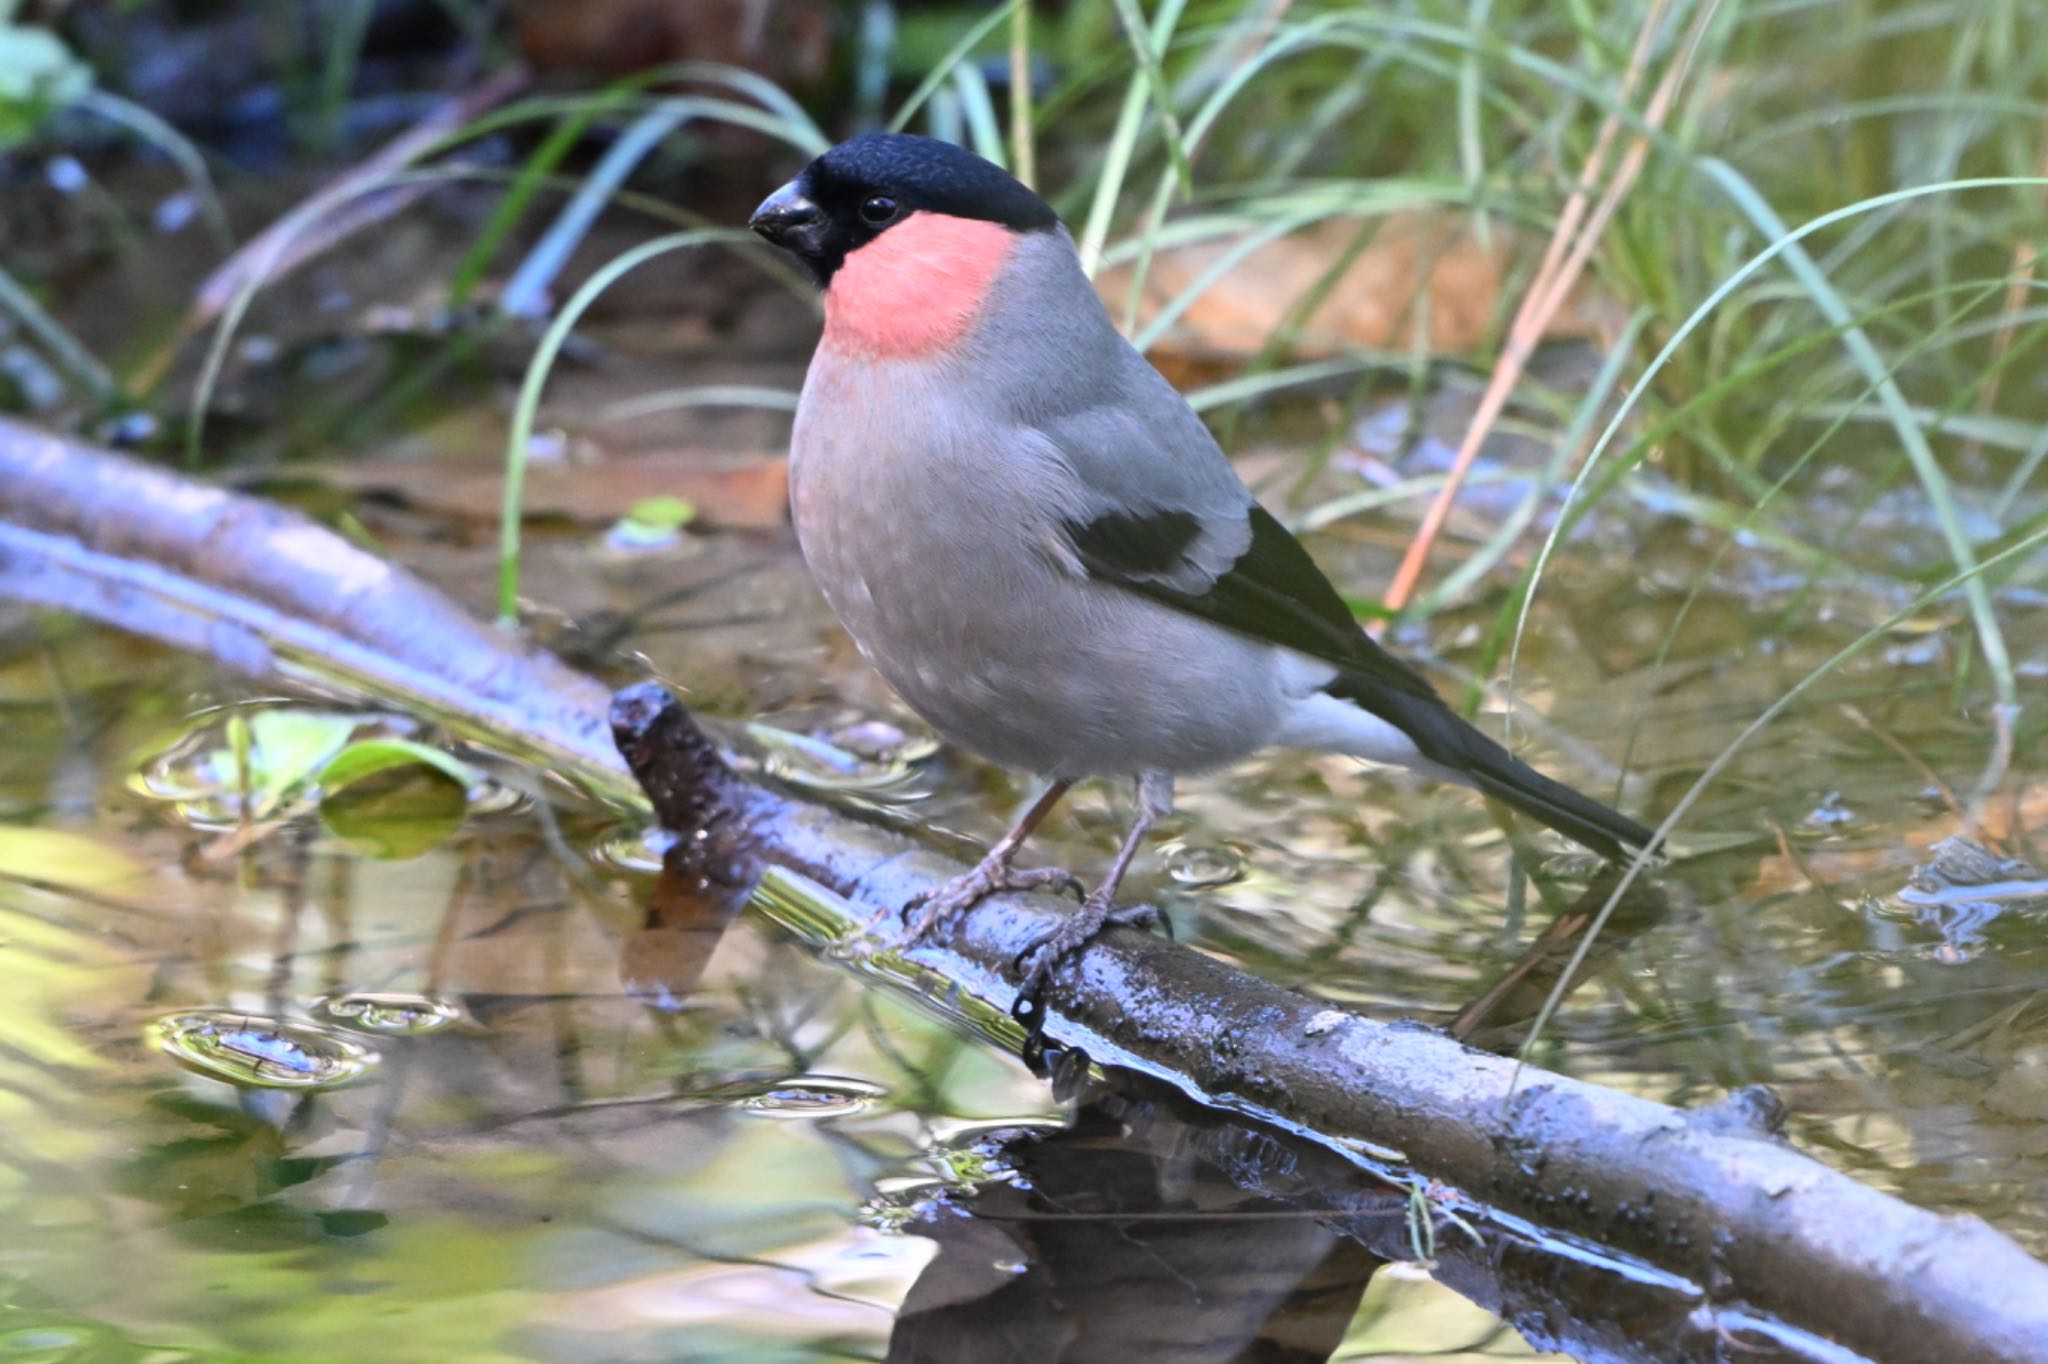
<point x="1578" y="817"/>
<point x="1447" y="740"/>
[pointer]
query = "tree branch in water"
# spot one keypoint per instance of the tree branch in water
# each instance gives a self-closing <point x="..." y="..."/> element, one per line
<point x="1706" y="1197"/>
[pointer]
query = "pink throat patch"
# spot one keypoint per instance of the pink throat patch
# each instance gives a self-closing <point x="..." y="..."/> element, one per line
<point x="915" y="288"/>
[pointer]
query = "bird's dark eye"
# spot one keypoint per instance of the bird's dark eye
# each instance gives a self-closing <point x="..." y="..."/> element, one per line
<point x="877" y="209"/>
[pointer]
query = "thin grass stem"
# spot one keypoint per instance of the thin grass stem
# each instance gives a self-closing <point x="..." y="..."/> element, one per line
<point x="519" y="441"/>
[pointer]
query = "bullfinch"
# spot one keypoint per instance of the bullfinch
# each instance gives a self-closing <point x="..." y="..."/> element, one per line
<point x="1039" y="545"/>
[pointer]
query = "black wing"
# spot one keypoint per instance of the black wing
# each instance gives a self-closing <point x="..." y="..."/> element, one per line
<point x="1273" y="591"/>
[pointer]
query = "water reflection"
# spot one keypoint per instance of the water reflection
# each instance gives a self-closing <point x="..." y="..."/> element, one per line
<point x="388" y="1015"/>
<point x="1964" y="888"/>
<point x="1202" y="865"/>
<point x="814" y="1096"/>
<point x="261" y="1053"/>
<point x="686" y="914"/>
<point x="1150" y="1228"/>
<point x="1130" y="1235"/>
<point x="864" y="757"/>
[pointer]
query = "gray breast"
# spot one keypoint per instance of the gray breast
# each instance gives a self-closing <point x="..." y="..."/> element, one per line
<point x="927" y="497"/>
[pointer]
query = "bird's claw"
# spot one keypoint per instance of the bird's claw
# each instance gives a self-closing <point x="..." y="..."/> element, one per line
<point x="1076" y="931"/>
<point x="1046" y="878"/>
<point x="928" y="909"/>
<point x="1045" y="952"/>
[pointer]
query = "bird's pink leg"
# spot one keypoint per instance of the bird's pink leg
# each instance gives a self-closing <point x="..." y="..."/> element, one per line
<point x="993" y="873"/>
<point x="1099" y="910"/>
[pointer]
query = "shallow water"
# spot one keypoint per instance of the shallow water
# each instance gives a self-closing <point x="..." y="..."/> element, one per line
<point x="582" y="1135"/>
<point x="601" y="1124"/>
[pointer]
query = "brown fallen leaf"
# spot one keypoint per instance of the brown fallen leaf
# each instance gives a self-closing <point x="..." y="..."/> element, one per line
<point x="2012" y="814"/>
<point x="789" y="41"/>
<point x="747" y="491"/>
<point x="1416" y="268"/>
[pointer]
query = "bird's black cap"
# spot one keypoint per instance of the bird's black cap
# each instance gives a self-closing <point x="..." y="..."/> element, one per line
<point x="859" y="189"/>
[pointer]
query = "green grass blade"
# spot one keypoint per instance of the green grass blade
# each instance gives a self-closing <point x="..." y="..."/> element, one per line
<point x="537" y="370"/>
<point x="1940" y="491"/>
<point x="525" y="293"/>
<point x="1226" y="261"/>
<point x="1462" y="578"/>
<point x="1023" y="134"/>
<point x="943" y="72"/>
<point x="338" y="72"/>
<point x="1371" y="499"/>
<point x="532" y="175"/>
<point x="1684" y="331"/>
<point x="803" y="130"/>
<point x="1714" y="769"/>
<point x="942" y="117"/>
<point x="67" y="350"/>
<point x="181" y="150"/>
<point x="2022" y="475"/>
<point x="309" y="212"/>
<point x="1123" y="140"/>
<point x="1116" y="164"/>
<point x="799" y="134"/>
<point x="286" y="230"/>
<point x="1146" y="48"/>
<point x="976" y="106"/>
<point x="1741" y="528"/>
<point x="1248" y="386"/>
<point x="1471" y="147"/>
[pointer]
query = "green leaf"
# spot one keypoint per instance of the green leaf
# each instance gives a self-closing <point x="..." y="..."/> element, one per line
<point x="663" y="513"/>
<point x="268" y="754"/>
<point x="371" y="756"/>
<point x="395" y="821"/>
<point x="241" y="753"/>
<point x="37" y="74"/>
<point x="289" y="747"/>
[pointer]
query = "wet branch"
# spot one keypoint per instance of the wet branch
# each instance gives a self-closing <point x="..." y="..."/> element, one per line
<point x="269" y="592"/>
<point x="1706" y="1198"/>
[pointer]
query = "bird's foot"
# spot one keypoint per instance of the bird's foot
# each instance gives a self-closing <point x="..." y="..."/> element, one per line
<point x="992" y="876"/>
<point x="1055" y="945"/>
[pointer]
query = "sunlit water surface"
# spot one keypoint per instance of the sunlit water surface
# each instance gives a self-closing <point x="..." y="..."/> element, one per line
<point x="444" y="1079"/>
<point x="279" y="1094"/>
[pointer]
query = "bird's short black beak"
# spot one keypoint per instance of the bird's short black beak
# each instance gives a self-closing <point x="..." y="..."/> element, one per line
<point x="789" y="220"/>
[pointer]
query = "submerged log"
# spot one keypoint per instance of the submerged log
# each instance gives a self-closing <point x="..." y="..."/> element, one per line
<point x="1708" y="1198"/>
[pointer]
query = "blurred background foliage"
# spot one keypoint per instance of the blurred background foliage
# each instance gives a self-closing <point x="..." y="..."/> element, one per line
<point x="1285" y="200"/>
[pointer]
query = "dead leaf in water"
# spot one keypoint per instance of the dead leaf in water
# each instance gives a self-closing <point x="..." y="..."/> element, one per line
<point x="749" y="491"/>
<point x="1418" y="269"/>
<point x="2015" y="810"/>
